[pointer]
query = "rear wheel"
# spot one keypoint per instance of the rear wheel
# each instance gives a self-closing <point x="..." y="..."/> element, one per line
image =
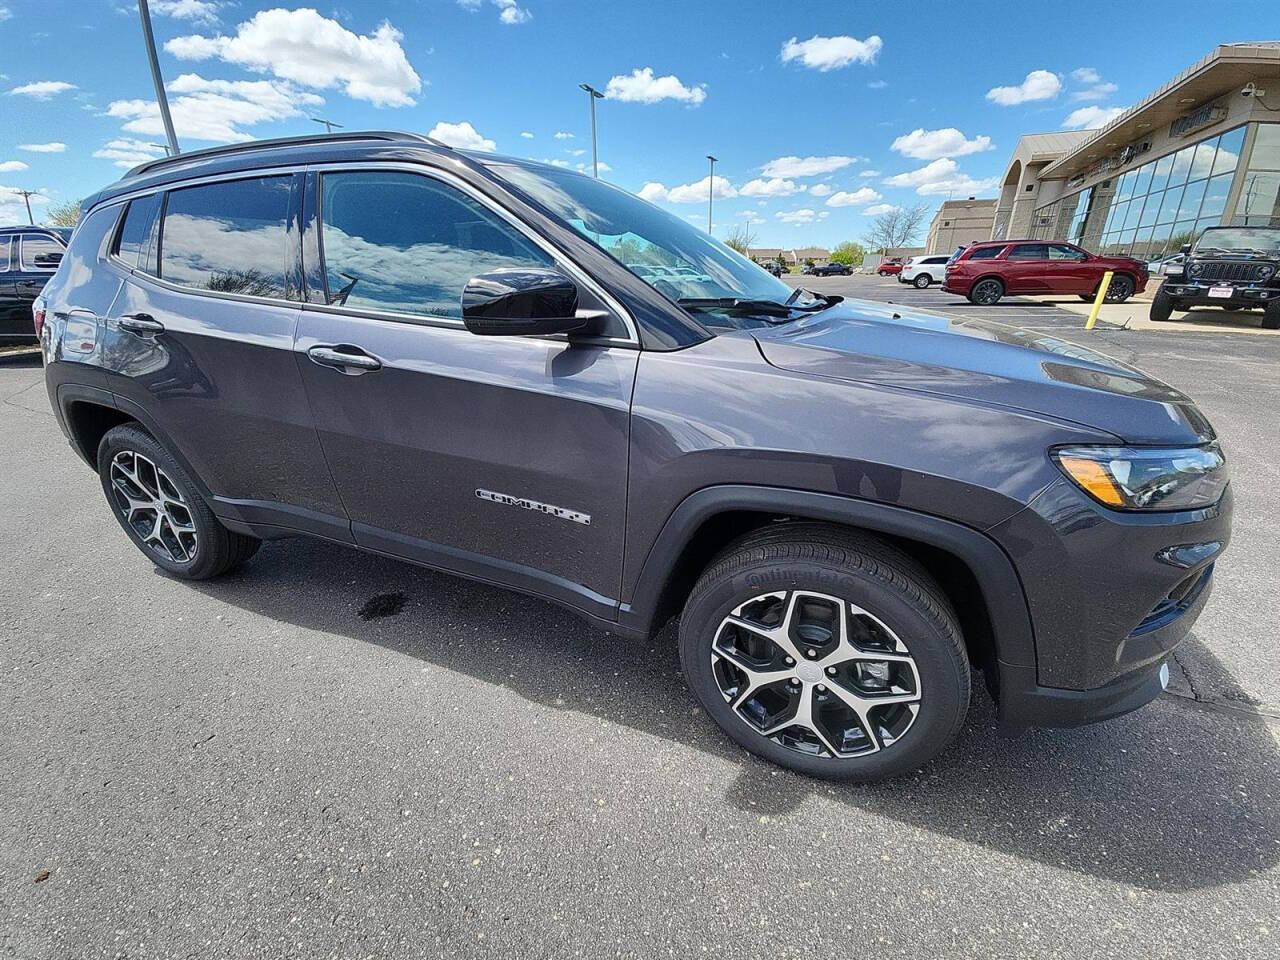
<point x="922" y="280"/>
<point x="1271" y="318"/>
<point x="826" y="651"/>
<point x="1162" y="306"/>
<point x="986" y="292"/>
<point x="160" y="508"/>
<point x="1120" y="289"/>
<point x="883" y="273"/>
<point x="1232" y="307"/>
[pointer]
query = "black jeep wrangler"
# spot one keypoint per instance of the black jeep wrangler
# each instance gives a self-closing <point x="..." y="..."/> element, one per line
<point x="1236" y="268"/>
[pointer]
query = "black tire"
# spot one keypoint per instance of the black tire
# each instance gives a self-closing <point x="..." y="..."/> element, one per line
<point x="857" y="569"/>
<point x="986" y="292"/>
<point x="1120" y="289"/>
<point x="1232" y="307"/>
<point x="922" y="281"/>
<point x="211" y="549"/>
<point x="882" y="273"/>
<point x="1162" y="306"/>
<point x="1086" y="297"/>
<point x="1271" y="317"/>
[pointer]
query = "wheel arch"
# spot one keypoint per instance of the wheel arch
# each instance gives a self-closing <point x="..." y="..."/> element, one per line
<point x="977" y="575"/>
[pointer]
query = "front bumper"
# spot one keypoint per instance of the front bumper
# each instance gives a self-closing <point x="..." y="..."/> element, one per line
<point x="1242" y="295"/>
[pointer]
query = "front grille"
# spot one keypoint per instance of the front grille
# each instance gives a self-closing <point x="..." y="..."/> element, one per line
<point x="1226" y="270"/>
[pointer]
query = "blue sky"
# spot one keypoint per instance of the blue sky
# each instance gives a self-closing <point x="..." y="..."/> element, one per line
<point x="820" y="114"/>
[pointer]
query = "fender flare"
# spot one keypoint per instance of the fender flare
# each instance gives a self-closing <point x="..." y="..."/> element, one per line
<point x="1012" y="632"/>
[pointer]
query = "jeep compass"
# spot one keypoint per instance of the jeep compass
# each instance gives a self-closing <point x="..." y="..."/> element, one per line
<point x="445" y="357"/>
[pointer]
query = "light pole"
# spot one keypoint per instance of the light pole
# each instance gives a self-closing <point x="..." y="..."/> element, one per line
<point x="711" y="190"/>
<point x="328" y="124"/>
<point x="593" y="95"/>
<point x="144" y="12"/>
<point x="27" y="195"/>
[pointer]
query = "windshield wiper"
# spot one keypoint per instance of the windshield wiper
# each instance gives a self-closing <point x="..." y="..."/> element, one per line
<point x="737" y="304"/>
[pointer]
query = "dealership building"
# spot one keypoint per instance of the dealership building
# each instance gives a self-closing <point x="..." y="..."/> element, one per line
<point x="1201" y="151"/>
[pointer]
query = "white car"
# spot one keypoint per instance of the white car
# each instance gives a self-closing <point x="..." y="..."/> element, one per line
<point x="922" y="271"/>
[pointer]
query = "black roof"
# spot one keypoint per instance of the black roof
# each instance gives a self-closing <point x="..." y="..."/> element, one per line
<point x="24" y="228"/>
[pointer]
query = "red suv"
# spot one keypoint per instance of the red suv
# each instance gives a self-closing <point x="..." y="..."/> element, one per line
<point x="985" y="272"/>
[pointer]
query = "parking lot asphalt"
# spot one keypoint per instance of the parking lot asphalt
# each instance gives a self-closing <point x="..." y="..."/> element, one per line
<point x="250" y="768"/>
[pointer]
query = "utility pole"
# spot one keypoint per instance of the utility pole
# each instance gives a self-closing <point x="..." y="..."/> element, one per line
<point x="149" y="41"/>
<point x="711" y="190"/>
<point x="328" y="124"/>
<point x="27" y="195"/>
<point x="593" y="95"/>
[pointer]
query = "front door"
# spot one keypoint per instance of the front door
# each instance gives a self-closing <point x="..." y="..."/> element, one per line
<point x="1027" y="268"/>
<point x="1071" y="271"/>
<point x="10" y="308"/>
<point x="33" y="263"/>
<point x="502" y="458"/>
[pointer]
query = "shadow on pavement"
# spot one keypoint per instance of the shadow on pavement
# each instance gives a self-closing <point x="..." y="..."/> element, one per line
<point x="1175" y="797"/>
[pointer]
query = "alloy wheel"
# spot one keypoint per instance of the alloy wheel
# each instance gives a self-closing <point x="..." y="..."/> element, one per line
<point x="816" y="674"/>
<point x="153" y="507"/>
<point x="1119" y="290"/>
<point x="987" y="292"/>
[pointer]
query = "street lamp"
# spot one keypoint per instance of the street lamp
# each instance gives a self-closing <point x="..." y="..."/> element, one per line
<point x="593" y="95"/>
<point x="144" y="12"/>
<point x="711" y="190"/>
<point x="328" y="124"/>
<point x="27" y="195"/>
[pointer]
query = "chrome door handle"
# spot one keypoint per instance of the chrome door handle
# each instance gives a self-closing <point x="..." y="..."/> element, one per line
<point x="142" y="324"/>
<point x="349" y="360"/>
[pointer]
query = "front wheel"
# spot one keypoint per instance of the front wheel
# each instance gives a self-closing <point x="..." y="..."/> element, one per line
<point x="922" y="281"/>
<point x="160" y="508"/>
<point x="882" y="273"/>
<point x="986" y="293"/>
<point x="1162" y="306"/>
<point x="826" y="651"/>
<point x="1120" y="289"/>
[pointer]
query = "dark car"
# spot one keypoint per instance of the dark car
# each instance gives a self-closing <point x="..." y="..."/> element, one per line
<point x="774" y="268"/>
<point x="442" y="356"/>
<point x="1236" y="268"/>
<point x="986" y="272"/>
<point x="831" y="270"/>
<point x="28" y="258"/>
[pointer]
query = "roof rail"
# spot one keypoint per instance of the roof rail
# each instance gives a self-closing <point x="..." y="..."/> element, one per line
<point x="251" y="145"/>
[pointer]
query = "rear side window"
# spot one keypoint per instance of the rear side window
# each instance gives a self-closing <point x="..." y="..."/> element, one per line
<point x="985" y="253"/>
<point x="936" y="260"/>
<point x="404" y="243"/>
<point x="40" y="252"/>
<point x="135" y="232"/>
<point x="228" y="237"/>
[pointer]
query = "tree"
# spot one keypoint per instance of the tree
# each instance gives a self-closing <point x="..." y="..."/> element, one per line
<point x="741" y="238"/>
<point x="64" y="214"/>
<point x="849" y="252"/>
<point x="896" y="228"/>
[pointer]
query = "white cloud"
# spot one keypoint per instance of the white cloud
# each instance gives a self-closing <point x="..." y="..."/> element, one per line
<point x="940" y="177"/>
<point x="584" y="167"/>
<point x="509" y="11"/>
<point x="1090" y="117"/>
<point x="819" y="190"/>
<point x="526" y="134"/>
<point x="43" y="89"/>
<point x="866" y="174"/>
<point x="128" y="153"/>
<point x="1038" y="85"/>
<point x="776" y="187"/>
<point x="5" y="13"/>
<point x="876" y="209"/>
<point x="1086" y="75"/>
<point x="13" y="166"/>
<point x="804" y="166"/>
<point x="1099" y="92"/>
<point x="53" y="146"/>
<point x="878" y="84"/>
<point x="215" y="110"/>
<point x="688" y="192"/>
<point x="643" y="87"/>
<point x="855" y="198"/>
<point x="804" y="215"/>
<point x="930" y="144"/>
<point x="303" y="47"/>
<point x="462" y="135"/>
<point x="830" y="53"/>
<point x="575" y="153"/>
<point x="200" y="11"/>
<point x="563" y="135"/>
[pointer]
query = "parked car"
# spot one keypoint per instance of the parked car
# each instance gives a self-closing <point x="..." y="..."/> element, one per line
<point x="832" y="270"/>
<point x="432" y="354"/>
<point x="1236" y="268"/>
<point x="28" y="258"/>
<point x="889" y="268"/>
<point x="774" y="268"/>
<point x="986" y="272"/>
<point x="1167" y="266"/>
<point x="922" y="271"/>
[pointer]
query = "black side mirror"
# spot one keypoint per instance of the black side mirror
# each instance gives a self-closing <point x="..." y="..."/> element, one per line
<point x="1185" y="248"/>
<point x="521" y="302"/>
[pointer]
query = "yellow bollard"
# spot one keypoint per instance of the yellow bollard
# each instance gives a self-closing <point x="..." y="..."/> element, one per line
<point x="1097" y="301"/>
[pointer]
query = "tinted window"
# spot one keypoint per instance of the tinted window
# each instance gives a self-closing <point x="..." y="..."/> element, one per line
<point x="4" y="253"/>
<point x="404" y="243"/>
<point x="1058" y="251"/>
<point x="41" y="253"/>
<point x="936" y="260"/>
<point x="985" y="253"/>
<point x="1029" y="251"/>
<point x="230" y="237"/>
<point x="135" y="232"/>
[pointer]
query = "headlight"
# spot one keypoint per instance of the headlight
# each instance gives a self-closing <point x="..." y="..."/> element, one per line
<point x="1147" y="478"/>
<point x="1195" y="268"/>
<point x="1264" y="271"/>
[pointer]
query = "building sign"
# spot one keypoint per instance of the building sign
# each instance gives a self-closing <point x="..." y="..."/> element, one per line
<point x="1193" y="121"/>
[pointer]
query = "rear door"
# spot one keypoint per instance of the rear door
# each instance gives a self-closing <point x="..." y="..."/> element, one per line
<point x="503" y="458"/>
<point x="200" y="341"/>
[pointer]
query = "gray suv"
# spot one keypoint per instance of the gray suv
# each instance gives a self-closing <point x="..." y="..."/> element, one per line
<point x="443" y="357"/>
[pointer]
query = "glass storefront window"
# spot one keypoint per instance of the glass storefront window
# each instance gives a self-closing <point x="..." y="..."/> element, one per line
<point x="1124" y="189"/>
<point x="1266" y="148"/>
<point x="1190" y="205"/>
<point x="1184" y="231"/>
<point x="1215" y="197"/>
<point x="1169" y="209"/>
<point x="1228" y="151"/>
<point x="1150" y="210"/>
<point x="1142" y="185"/>
<point x="1259" y="203"/>
<point x="1161" y="177"/>
<point x="1181" y="168"/>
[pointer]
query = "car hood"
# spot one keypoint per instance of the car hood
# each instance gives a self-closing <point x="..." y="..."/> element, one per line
<point x="984" y="362"/>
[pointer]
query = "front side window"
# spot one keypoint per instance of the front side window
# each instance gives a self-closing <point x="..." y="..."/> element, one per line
<point x="41" y="253"/>
<point x="4" y="254"/>
<point x="1060" y="251"/>
<point x="1029" y="251"/>
<point x="404" y="243"/>
<point x="228" y="237"/>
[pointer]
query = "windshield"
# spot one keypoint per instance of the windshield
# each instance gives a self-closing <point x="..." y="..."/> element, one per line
<point x="1258" y="240"/>
<point x="680" y="261"/>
